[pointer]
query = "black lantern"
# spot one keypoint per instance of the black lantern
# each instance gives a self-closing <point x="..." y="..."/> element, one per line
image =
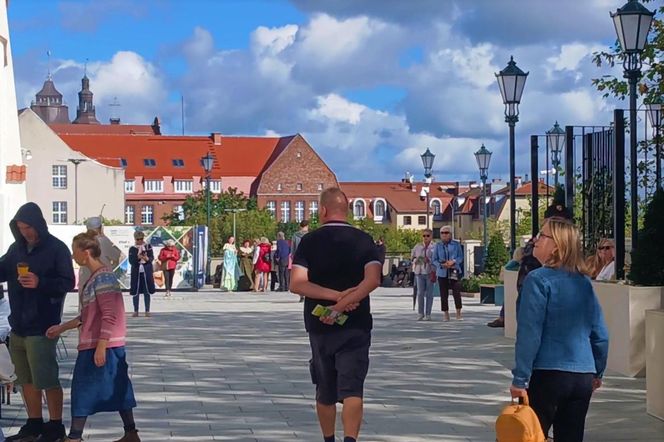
<point x="483" y="157"/>
<point x="427" y="162"/>
<point x="654" y="111"/>
<point x="207" y="162"/>
<point x="511" y="82"/>
<point x="632" y="23"/>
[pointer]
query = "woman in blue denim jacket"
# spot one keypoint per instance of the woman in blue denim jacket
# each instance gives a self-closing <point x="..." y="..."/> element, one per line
<point x="447" y="259"/>
<point x="562" y="341"/>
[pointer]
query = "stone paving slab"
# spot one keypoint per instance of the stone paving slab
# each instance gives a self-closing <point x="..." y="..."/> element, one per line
<point x="213" y="366"/>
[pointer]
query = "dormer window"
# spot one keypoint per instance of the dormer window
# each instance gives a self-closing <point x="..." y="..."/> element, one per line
<point x="279" y="187"/>
<point x="149" y="162"/>
<point x="123" y="162"/>
<point x="298" y="186"/>
<point x="178" y="162"/>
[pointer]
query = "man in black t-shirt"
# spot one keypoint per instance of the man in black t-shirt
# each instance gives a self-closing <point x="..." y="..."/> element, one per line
<point x="338" y="266"/>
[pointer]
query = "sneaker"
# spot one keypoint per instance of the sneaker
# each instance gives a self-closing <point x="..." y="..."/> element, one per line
<point x="427" y="318"/>
<point x="130" y="436"/>
<point x="25" y="434"/>
<point x="420" y="317"/>
<point x="53" y="432"/>
<point x="496" y="323"/>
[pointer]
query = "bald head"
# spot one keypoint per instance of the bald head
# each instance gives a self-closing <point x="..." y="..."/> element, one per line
<point x="333" y="205"/>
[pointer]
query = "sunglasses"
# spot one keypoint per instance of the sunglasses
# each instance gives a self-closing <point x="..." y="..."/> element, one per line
<point x="426" y="236"/>
<point x="445" y="233"/>
<point x="605" y="248"/>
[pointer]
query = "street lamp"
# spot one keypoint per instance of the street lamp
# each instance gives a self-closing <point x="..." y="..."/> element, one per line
<point x="555" y="138"/>
<point x="483" y="157"/>
<point x="235" y="211"/>
<point x="511" y="82"/>
<point x="654" y="111"/>
<point x="207" y="161"/>
<point x="76" y="162"/>
<point x="427" y="162"/>
<point x="632" y="23"/>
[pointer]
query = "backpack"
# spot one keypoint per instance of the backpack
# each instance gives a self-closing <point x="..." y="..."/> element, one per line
<point x="519" y="423"/>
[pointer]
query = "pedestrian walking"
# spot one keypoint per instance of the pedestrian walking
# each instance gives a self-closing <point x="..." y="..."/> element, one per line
<point x="283" y="252"/>
<point x="448" y="262"/>
<point x="169" y="257"/>
<point x="100" y="381"/>
<point x="141" y="256"/>
<point x="39" y="273"/>
<point x="337" y="266"/>
<point x="263" y="265"/>
<point x="562" y="341"/>
<point x="425" y="275"/>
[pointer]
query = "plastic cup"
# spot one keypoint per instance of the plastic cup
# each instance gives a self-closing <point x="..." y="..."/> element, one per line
<point x="22" y="268"/>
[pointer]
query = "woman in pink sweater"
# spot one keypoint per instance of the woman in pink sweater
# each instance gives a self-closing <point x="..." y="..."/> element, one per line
<point x="101" y="381"/>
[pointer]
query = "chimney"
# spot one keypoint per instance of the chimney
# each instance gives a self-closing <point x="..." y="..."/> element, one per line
<point x="115" y="121"/>
<point x="216" y="138"/>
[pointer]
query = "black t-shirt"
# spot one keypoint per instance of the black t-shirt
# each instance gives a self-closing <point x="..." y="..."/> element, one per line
<point x="335" y="255"/>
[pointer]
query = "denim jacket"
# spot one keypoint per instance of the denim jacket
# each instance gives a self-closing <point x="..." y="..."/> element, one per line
<point x="560" y="326"/>
<point x="444" y="252"/>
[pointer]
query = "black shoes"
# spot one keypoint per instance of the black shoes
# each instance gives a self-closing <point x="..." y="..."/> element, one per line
<point x="53" y="432"/>
<point x="27" y="433"/>
<point x="497" y="323"/>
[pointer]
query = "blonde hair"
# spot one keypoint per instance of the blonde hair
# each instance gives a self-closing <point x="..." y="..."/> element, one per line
<point x="88" y="241"/>
<point x="594" y="262"/>
<point x="568" y="253"/>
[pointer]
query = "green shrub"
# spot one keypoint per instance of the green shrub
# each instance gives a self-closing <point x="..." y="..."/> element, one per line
<point x="497" y="256"/>
<point x="648" y="259"/>
<point x="472" y="283"/>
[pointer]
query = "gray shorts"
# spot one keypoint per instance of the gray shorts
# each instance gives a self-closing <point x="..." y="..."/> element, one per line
<point x="339" y="364"/>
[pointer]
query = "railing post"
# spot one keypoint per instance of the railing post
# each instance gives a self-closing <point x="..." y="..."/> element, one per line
<point x="534" y="163"/>
<point x="619" y="190"/>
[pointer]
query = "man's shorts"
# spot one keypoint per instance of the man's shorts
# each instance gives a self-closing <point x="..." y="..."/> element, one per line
<point x="339" y="364"/>
<point x="35" y="361"/>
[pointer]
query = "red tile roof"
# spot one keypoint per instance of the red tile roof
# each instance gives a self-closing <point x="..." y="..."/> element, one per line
<point x="526" y="189"/>
<point x="15" y="174"/>
<point x="398" y="195"/>
<point x="235" y="156"/>
<point x="103" y="129"/>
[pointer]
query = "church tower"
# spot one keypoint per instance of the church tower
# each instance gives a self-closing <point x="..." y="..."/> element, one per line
<point x="85" y="112"/>
<point x="48" y="104"/>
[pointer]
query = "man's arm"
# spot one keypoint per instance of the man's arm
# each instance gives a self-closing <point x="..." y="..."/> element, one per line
<point x="64" y="279"/>
<point x="300" y="285"/>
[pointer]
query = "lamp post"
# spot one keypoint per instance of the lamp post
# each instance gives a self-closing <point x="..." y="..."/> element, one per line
<point x="76" y="162"/>
<point x="234" y="212"/>
<point x="654" y="110"/>
<point x="555" y="138"/>
<point x="207" y="161"/>
<point x="483" y="157"/>
<point x="511" y="82"/>
<point x="427" y="162"/>
<point x="632" y="23"/>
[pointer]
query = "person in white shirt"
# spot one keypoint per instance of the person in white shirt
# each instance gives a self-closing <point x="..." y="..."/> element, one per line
<point x="603" y="264"/>
<point x="425" y="276"/>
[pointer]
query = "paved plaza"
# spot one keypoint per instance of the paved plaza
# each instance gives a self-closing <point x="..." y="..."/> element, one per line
<point x="233" y="367"/>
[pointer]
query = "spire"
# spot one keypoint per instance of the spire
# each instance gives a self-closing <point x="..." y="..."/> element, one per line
<point x="85" y="112"/>
<point x="48" y="102"/>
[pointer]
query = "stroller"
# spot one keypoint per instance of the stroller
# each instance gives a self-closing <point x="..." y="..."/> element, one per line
<point x="402" y="275"/>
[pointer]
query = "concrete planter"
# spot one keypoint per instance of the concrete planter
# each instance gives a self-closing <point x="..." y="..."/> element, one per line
<point x="655" y="363"/>
<point x="510" y="302"/>
<point x="624" y="308"/>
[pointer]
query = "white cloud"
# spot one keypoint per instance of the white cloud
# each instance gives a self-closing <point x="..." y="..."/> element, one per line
<point x="336" y="108"/>
<point x="571" y="55"/>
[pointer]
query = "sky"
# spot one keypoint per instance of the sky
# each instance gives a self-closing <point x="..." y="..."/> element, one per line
<point x="370" y="84"/>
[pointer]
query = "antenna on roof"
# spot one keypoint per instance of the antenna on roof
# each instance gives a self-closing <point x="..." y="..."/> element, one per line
<point x="48" y="64"/>
<point x="85" y="67"/>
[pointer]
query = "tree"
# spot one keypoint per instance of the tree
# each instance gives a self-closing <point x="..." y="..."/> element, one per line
<point x="497" y="255"/>
<point x="648" y="259"/>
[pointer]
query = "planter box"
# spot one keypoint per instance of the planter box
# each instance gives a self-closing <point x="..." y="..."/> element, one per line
<point x="488" y="293"/>
<point x="624" y="308"/>
<point x="655" y="363"/>
<point x="510" y="303"/>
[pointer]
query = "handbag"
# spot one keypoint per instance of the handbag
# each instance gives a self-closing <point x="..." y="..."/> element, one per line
<point x="519" y="423"/>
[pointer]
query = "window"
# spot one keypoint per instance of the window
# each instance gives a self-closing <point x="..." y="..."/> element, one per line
<point x="179" y="210"/>
<point x="177" y="162"/>
<point x="298" y="186"/>
<point x="123" y="162"/>
<point x="299" y="211"/>
<point x="154" y="186"/>
<point x="285" y="211"/>
<point x="271" y="207"/>
<point x="320" y="187"/>
<point x="421" y="220"/>
<point x="435" y="205"/>
<point x="407" y="220"/>
<point x="184" y="186"/>
<point x="129" y="215"/>
<point x="358" y="209"/>
<point x="59" y="177"/>
<point x="147" y="215"/>
<point x="379" y="209"/>
<point x="313" y="209"/>
<point x="149" y="162"/>
<point x="59" y="212"/>
<point x="279" y="187"/>
<point x="215" y="186"/>
<point x="130" y="186"/>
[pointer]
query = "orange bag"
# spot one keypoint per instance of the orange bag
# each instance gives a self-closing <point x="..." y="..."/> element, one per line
<point x="519" y="423"/>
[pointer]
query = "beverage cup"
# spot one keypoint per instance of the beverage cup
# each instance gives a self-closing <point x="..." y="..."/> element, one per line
<point x="22" y="268"/>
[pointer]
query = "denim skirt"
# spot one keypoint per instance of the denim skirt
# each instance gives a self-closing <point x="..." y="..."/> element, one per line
<point x="107" y="388"/>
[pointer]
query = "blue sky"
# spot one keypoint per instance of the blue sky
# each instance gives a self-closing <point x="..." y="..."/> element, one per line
<point x="370" y="84"/>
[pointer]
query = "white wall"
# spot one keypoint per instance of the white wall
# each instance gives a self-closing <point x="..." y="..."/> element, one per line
<point x="98" y="185"/>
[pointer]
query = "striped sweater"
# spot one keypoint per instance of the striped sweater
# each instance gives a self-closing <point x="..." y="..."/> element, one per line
<point x="102" y="312"/>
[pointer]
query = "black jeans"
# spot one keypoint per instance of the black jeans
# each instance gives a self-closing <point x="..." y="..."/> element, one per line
<point x="142" y="288"/>
<point x="561" y="399"/>
<point x="445" y="284"/>
<point x="283" y="276"/>
<point x="169" y="274"/>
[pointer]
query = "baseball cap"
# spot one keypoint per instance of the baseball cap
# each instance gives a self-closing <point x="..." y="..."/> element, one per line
<point x="93" y="222"/>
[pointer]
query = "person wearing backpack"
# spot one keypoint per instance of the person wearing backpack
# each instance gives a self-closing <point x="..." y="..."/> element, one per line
<point x="562" y="341"/>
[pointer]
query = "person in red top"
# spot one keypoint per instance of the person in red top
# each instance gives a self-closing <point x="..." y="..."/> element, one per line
<point x="169" y="257"/>
<point x="263" y="265"/>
